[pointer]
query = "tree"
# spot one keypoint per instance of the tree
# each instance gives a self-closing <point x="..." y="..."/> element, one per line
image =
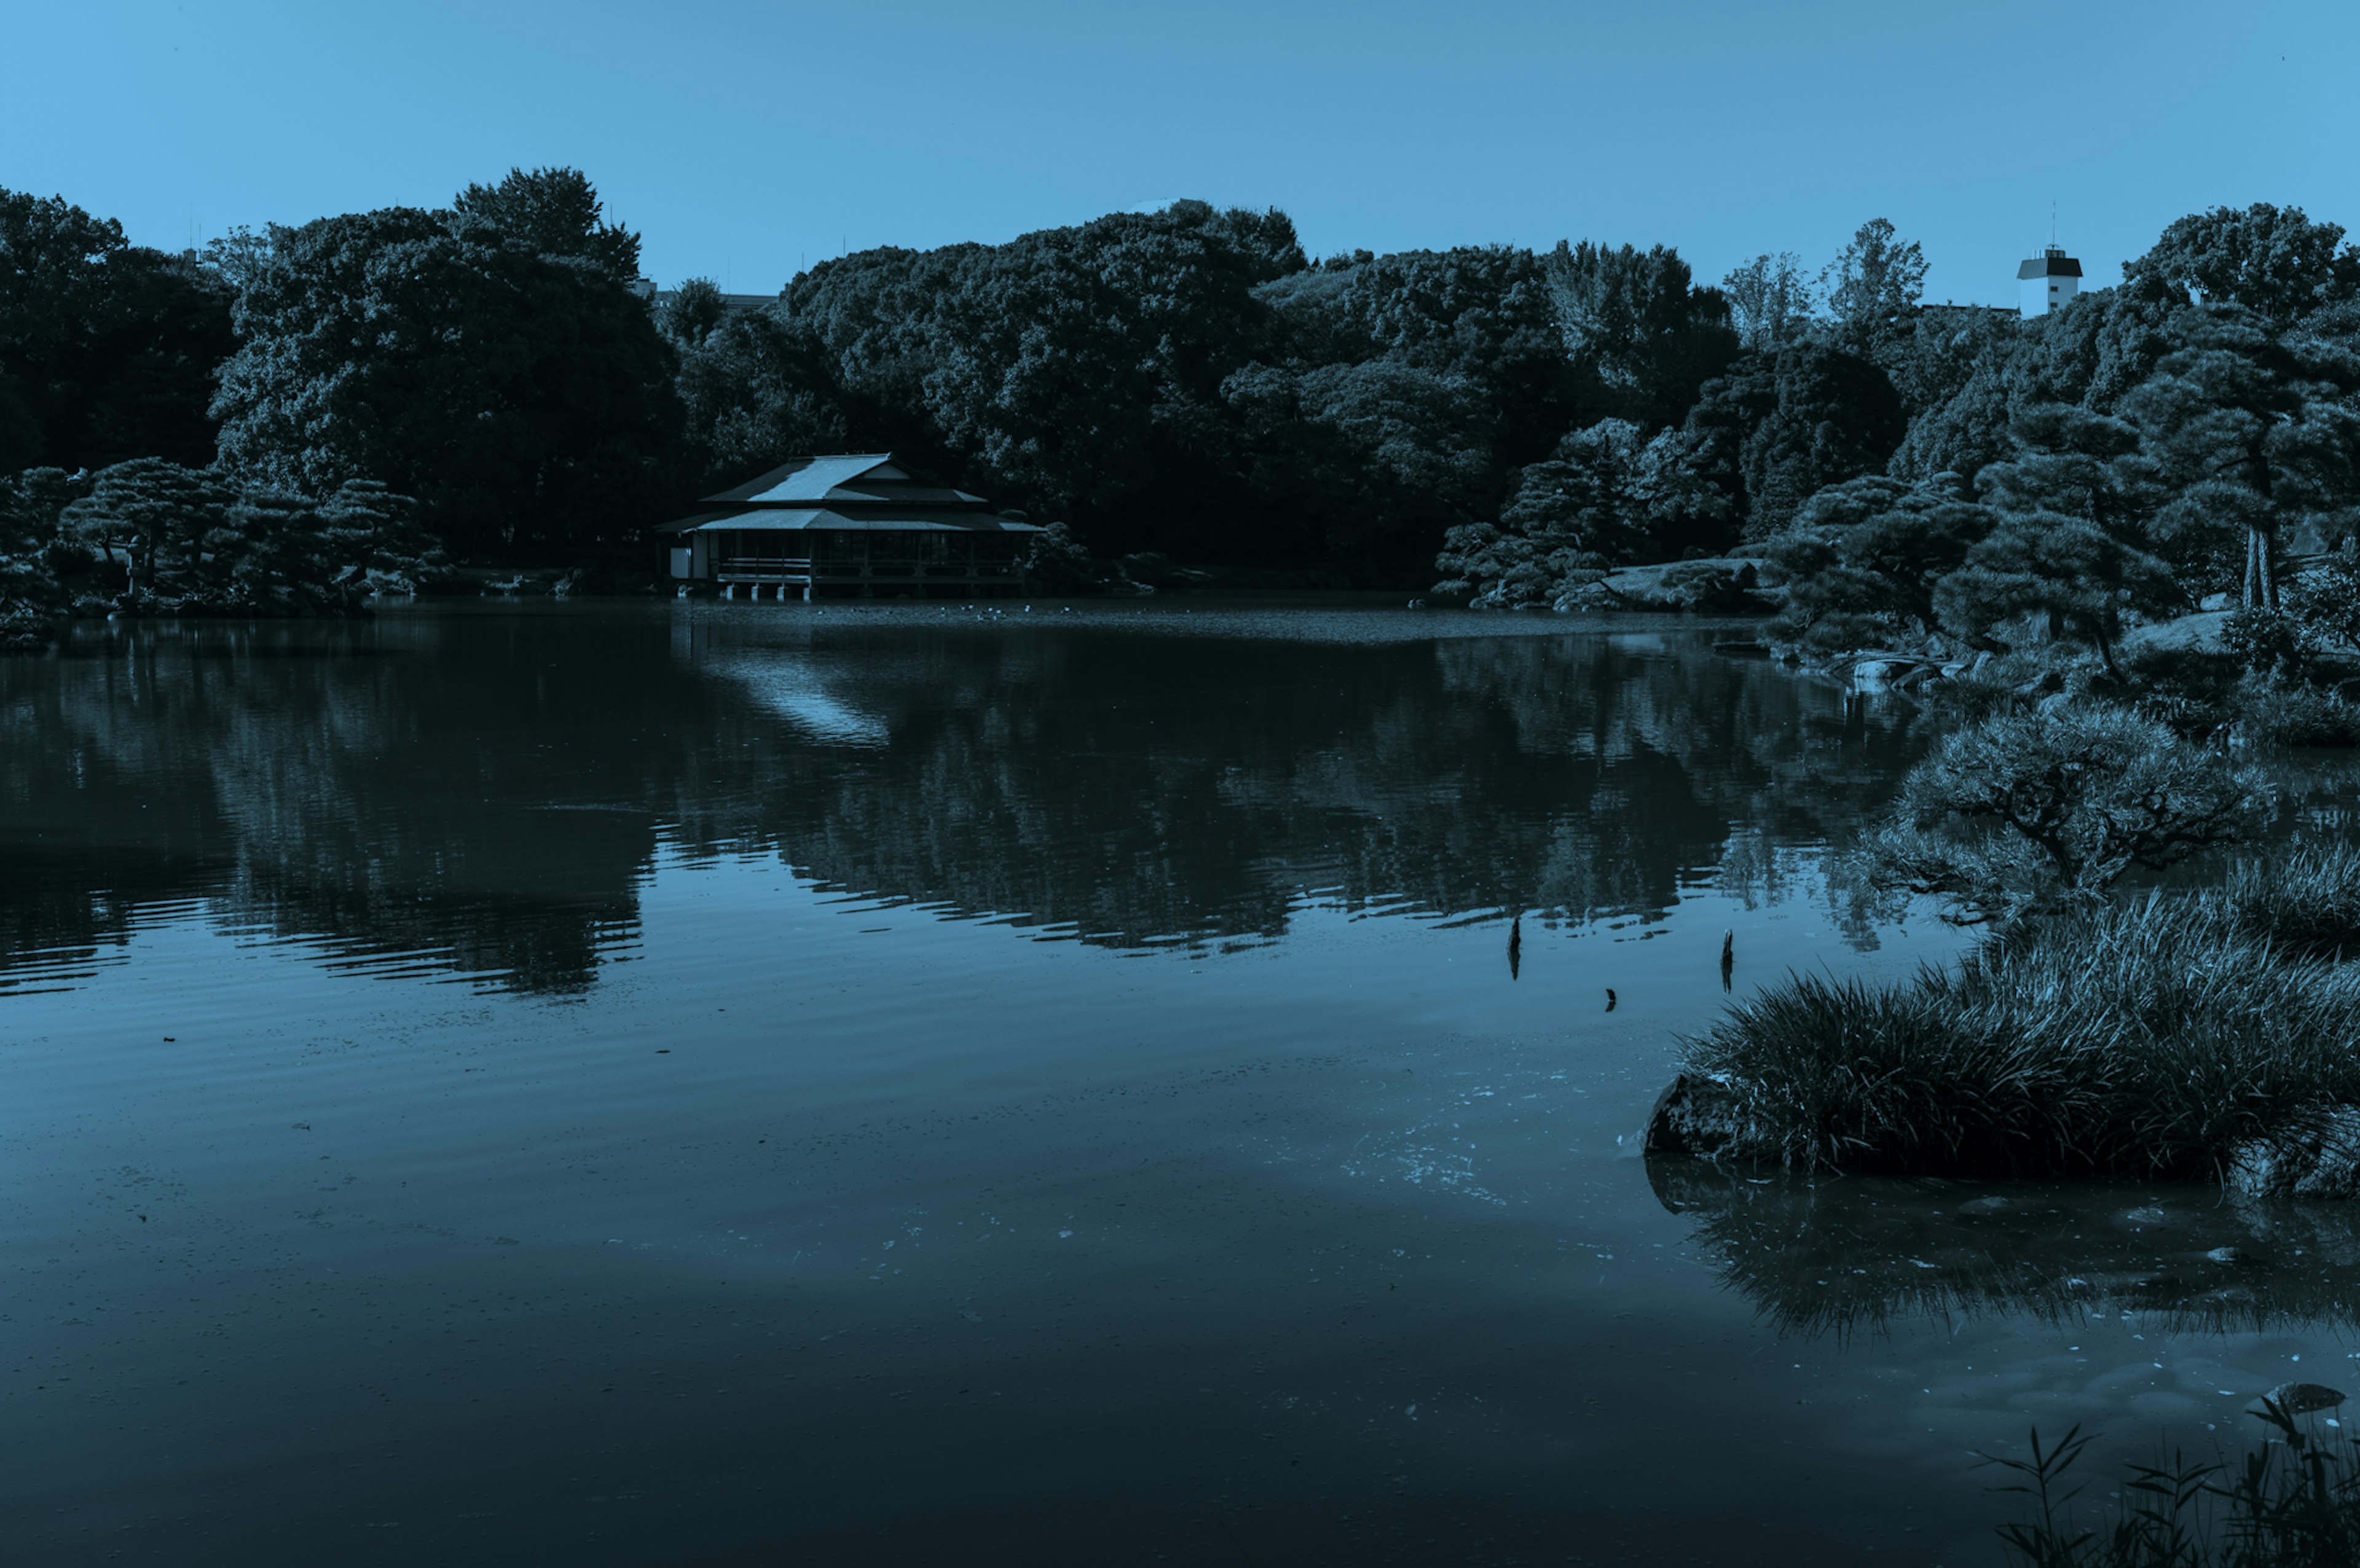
<point x="2031" y="811"/>
<point x="1771" y="301"/>
<point x="1782" y="427"/>
<point x="758" y="389"/>
<point x="1866" y="559"/>
<point x="525" y="402"/>
<point x="2272" y="261"/>
<point x="106" y="350"/>
<point x="2072" y="574"/>
<point x="1641" y="336"/>
<point x="696" y="309"/>
<point x="155" y="514"/>
<point x="33" y="602"/>
<point x="2084" y="464"/>
<point x="550" y="213"/>
<point x="373" y="538"/>
<point x="2254" y="428"/>
<point x="1872" y="289"/>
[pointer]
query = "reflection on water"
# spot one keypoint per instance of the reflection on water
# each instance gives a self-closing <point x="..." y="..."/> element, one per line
<point x="486" y="794"/>
<point x="1840" y="1254"/>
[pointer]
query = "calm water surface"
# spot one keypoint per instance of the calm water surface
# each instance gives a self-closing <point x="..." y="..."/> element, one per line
<point x="734" y="1083"/>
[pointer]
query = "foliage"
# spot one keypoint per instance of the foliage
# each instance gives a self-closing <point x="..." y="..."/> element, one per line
<point x="757" y="389"/>
<point x="2292" y="1502"/>
<point x="2116" y="1040"/>
<point x="1872" y="289"/>
<point x="554" y="214"/>
<point x="1642" y="338"/>
<point x="2251" y="429"/>
<point x="2028" y="812"/>
<point x="1782" y="427"/>
<point x="1864" y="560"/>
<point x="150" y="534"/>
<point x="2072" y="574"/>
<point x="526" y="401"/>
<point x="1770" y="301"/>
<point x="33" y="601"/>
<point x="694" y="310"/>
<point x="106" y="350"/>
<point x="1056" y="563"/>
<point x="1606" y="496"/>
<point x="2325" y="603"/>
<point x="2273" y="262"/>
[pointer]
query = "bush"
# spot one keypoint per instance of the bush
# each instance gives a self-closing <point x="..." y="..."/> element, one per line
<point x="2123" y="1041"/>
<point x="2283" y="712"/>
<point x="2032" y="810"/>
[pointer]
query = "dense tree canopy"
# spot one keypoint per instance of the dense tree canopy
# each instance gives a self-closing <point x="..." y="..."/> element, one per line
<point x="525" y="398"/>
<point x="107" y="351"/>
<point x="1188" y="382"/>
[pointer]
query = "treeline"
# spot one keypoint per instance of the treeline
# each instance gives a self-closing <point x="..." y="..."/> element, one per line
<point x="1189" y="382"/>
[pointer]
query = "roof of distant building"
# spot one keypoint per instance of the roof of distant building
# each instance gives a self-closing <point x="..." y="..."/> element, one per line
<point x="860" y="490"/>
<point x="2050" y="263"/>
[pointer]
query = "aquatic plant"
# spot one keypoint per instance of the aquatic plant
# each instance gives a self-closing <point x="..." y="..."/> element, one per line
<point x="2293" y="1501"/>
<point x="2155" y="1039"/>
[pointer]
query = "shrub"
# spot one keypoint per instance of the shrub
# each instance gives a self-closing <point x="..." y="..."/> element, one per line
<point x="2126" y="1041"/>
<point x="2031" y="811"/>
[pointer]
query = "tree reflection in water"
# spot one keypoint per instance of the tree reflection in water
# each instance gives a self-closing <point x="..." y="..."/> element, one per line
<point x="485" y="792"/>
<point x="1837" y="1254"/>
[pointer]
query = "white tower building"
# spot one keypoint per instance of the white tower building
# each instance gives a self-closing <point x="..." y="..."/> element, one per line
<point x="2048" y="281"/>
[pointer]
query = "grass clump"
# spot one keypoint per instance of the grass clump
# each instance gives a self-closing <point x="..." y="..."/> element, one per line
<point x="2212" y="1033"/>
<point x="2148" y="1041"/>
<point x="2291" y="1502"/>
<point x="2305" y="902"/>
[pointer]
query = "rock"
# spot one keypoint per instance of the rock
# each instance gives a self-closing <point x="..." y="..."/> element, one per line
<point x="2301" y="1399"/>
<point x="2316" y="1155"/>
<point x="1704" y="1116"/>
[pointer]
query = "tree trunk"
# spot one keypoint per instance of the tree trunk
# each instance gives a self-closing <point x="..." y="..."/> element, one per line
<point x="2261" y="569"/>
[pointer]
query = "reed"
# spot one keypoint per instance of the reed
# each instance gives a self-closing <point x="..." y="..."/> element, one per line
<point x="2293" y="1501"/>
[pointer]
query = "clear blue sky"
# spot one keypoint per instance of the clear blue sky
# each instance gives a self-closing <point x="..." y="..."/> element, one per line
<point x="743" y="139"/>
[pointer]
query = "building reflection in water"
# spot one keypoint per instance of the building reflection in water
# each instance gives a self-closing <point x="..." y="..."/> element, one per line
<point x="486" y="792"/>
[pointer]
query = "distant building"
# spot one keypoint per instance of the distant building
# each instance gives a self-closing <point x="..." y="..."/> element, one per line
<point x="660" y="299"/>
<point x="852" y="523"/>
<point x="2048" y="281"/>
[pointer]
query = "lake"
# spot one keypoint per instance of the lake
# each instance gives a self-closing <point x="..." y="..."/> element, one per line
<point x="712" y="1084"/>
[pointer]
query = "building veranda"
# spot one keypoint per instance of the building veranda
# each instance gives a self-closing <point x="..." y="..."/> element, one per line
<point x="850" y="524"/>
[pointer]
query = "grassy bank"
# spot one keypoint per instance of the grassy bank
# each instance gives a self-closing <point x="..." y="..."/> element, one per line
<point x="2181" y="1037"/>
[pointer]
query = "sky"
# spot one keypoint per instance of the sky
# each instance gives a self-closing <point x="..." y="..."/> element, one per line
<point x="744" y="141"/>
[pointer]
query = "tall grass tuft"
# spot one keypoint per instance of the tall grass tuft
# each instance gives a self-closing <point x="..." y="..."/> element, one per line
<point x="2306" y="902"/>
<point x="2140" y="1041"/>
<point x="2293" y="1502"/>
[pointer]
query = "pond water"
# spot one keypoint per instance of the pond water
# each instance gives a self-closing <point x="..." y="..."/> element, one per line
<point x="715" y="1083"/>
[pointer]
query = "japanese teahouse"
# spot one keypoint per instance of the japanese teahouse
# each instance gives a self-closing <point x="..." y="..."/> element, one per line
<point x="854" y="523"/>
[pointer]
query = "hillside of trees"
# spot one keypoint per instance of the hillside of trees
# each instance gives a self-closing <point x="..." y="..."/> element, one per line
<point x="174" y="430"/>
